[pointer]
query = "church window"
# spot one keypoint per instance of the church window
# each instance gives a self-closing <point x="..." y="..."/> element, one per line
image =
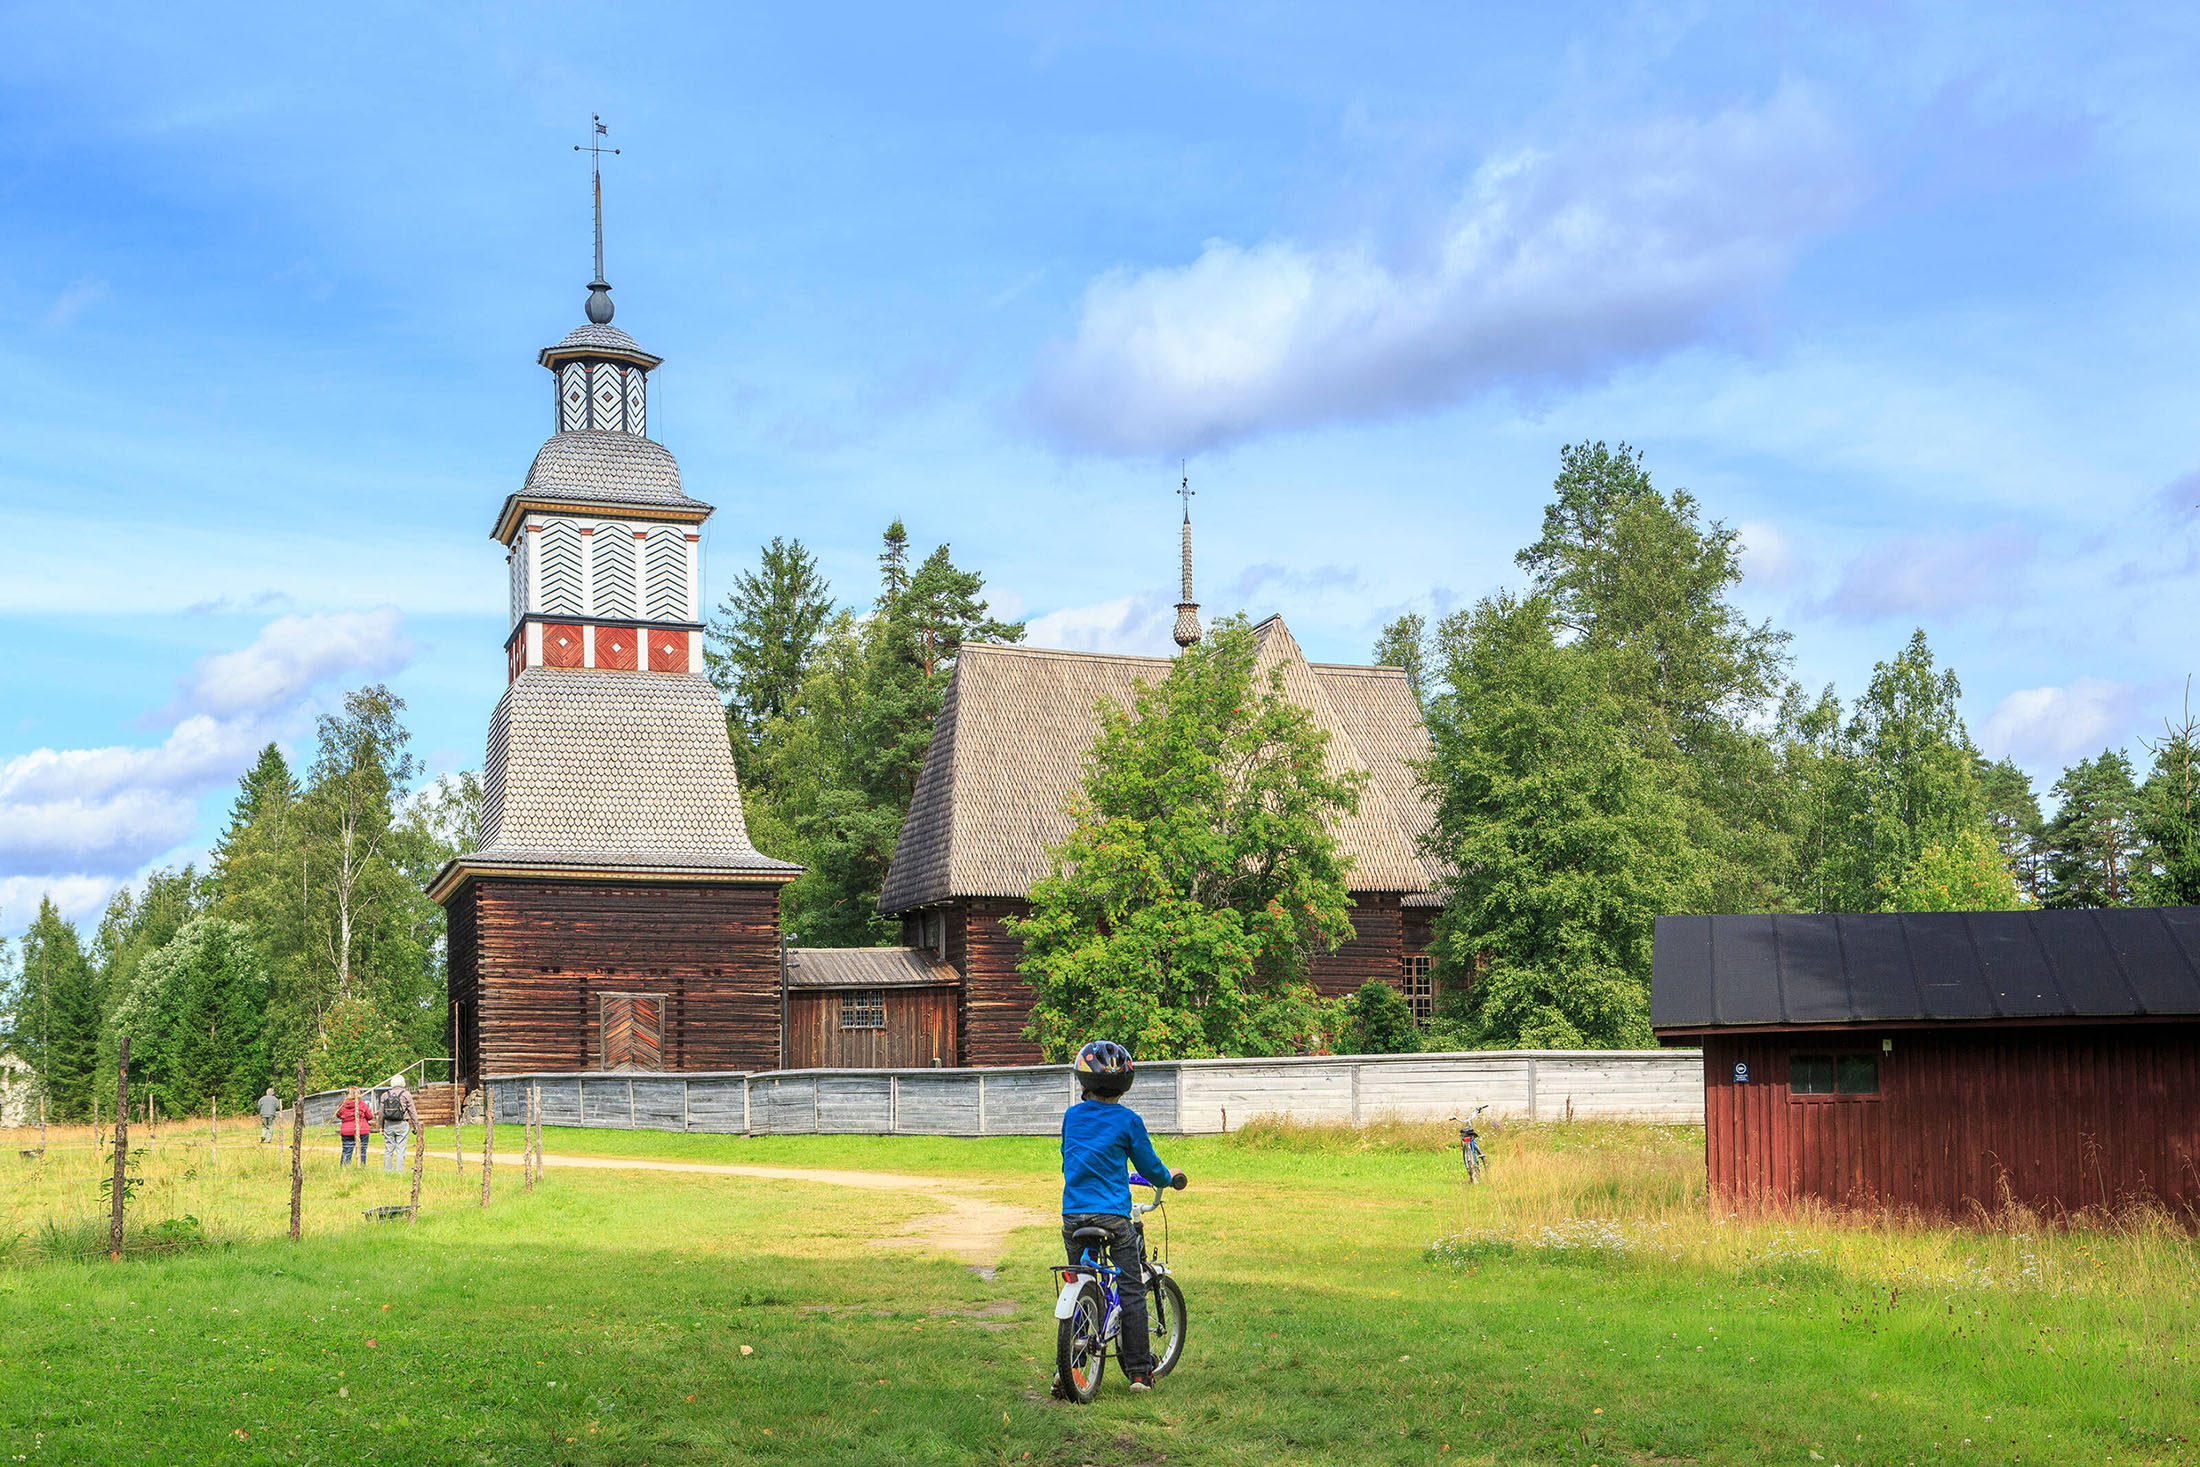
<point x="863" y="1008"/>
<point x="1420" y="985"/>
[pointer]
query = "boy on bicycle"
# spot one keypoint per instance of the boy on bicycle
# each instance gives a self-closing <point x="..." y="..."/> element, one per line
<point x="1101" y="1137"/>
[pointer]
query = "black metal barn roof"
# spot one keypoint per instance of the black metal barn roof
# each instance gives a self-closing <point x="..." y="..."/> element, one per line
<point x="1924" y="967"/>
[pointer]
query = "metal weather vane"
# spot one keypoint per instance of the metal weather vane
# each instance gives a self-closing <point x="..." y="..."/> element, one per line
<point x="599" y="289"/>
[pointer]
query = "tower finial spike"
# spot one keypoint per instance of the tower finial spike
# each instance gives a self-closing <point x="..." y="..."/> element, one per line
<point x="1187" y="610"/>
<point x="599" y="289"/>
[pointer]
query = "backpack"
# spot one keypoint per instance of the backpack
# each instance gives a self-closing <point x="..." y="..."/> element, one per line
<point x="393" y="1107"/>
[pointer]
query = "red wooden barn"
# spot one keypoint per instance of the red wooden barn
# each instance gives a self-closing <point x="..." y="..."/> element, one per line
<point x="1943" y="1062"/>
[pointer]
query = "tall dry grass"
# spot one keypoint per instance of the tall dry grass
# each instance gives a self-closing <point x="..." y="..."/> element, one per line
<point x="192" y="1191"/>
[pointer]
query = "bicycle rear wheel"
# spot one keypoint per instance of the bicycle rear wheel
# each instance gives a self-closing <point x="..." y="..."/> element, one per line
<point x="1080" y="1353"/>
<point x="1166" y="1322"/>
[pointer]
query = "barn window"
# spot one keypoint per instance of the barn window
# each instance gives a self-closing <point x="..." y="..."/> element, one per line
<point x="1420" y="985"/>
<point x="1833" y="1074"/>
<point x="863" y="1008"/>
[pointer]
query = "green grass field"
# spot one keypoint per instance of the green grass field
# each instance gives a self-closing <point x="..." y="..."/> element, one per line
<point x="1584" y="1307"/>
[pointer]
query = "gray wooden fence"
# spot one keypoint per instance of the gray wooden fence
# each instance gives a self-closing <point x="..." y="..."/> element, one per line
<point x="1175" y="1097"/>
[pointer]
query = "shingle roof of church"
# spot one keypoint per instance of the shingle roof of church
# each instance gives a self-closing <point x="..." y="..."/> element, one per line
<point x="604" y="771"/>
<point x="607" y="340"/>
<point x="607" y="468"/>
<point x="1009" y="747"/>
<point x="866" y="967"/>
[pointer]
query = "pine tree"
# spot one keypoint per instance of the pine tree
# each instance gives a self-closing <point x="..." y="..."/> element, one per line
<point x="2169" y="817"/>
<point x="2013" y="811"/>
<point x="2094" y="854"/>
<point x="196" y="1012"/>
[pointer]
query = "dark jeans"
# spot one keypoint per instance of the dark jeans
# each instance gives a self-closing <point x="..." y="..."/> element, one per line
<point x="351" y="1142"/>
<point x="1134" y="1345"/>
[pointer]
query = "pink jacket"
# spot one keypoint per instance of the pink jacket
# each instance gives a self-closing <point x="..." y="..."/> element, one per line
<point x="355" y="1117"/>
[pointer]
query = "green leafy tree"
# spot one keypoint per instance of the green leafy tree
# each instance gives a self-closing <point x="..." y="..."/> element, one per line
<point x="1637" y="574"/>
<point x="1380" y="1021"/>
<point x="57" y="1019"/>
<point x="1965" y="873"/>
<point x="1560" y="841"/>
<point x="1200" y="875"/>
<point x="1404" y="644"/>
<point x="195" y="1012"/>
<point x="761" y="642"/>
<point x="357" y="1045"/>
<point x="2169" y="817"/>
<point x="2094" y="856"/>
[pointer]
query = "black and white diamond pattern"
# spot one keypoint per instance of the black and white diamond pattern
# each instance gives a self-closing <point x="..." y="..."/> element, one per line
<point x="607" y="401"/>
<point x="636" y="394"/>
<point x="572" y="398"/>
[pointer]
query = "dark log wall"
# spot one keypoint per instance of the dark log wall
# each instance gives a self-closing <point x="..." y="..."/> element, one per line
<point x="1376" y="948"/>
<point x="547" y="949"/>
<point x="996" y="1001"/>
<point x="2055" y="1118"/>
<point x="464" y="937"/>
<point x="1417" y="928"/>
<point x="920" y="1028"/>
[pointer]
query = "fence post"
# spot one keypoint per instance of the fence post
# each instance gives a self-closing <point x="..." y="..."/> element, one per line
<point x="213" y="1131"/>
<point x="420" y="1162"/>
<point x="122" y="1150"/>
<point x="817" y="1117"/>
<point x="687" y="1121"/>
<point x="1355" y="1094"/>
<point x="527" y="1148"/>
<point x="893" y="1105"/>
<point x="458" y="1103"/>
<point x="488" y="1136"/>
<point x="981" y="1102"/>
<point x="1533" y="1113"/>
<point x="745" y="1107"/>
<point x="298" y="1151"/>
<point x="1182" y="1128"/>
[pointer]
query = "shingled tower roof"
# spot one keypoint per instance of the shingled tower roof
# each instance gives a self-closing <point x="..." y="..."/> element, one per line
<point x="1008" y="750"/>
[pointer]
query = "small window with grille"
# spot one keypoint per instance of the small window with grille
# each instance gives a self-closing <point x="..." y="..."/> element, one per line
<point x="863" y="1008"/>
<point x="1420" y="986"/>
<point x="1833" y="1074"/>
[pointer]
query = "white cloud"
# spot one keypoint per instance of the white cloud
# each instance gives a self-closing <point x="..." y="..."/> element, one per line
<point x="1557" y="264"/>
<point x="1137" y="624"/>
<point x="79" y="898"/>
<point x="100" y="814"/>
<point x="75" y="300"/>
<point x="2056" y="725"/>
<point x="1926" y="575"/>
<point x="291" y="655"/>
<point x="1768" y="560"/>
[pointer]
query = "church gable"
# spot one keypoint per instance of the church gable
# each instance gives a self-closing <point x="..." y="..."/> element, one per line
<point x="1008" y="751"/>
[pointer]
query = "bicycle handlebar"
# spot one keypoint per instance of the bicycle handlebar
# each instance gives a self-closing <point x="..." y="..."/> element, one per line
<point x="1175" y="1183"/>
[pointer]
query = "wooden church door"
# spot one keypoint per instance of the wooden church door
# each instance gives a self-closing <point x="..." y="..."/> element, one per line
<point x="633" y="1031"/>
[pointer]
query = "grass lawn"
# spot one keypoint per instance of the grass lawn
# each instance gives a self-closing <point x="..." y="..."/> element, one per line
<point x="1584" y="1307"/>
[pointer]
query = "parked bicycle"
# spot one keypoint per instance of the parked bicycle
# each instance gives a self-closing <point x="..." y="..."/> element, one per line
<point x="1470" y="1146"/>
<point x="1089" y="1308"/>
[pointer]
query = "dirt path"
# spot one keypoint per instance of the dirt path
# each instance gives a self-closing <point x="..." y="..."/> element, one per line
<point x="973" y="1227"/>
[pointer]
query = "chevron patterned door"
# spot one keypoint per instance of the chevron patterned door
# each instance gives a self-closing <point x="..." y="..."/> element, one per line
<point x="633" y="1031"/>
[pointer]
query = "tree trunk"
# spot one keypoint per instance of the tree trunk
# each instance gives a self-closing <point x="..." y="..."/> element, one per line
<point x="122" y="1151"/>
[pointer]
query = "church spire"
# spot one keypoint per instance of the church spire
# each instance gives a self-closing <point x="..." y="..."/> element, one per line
<point x="599" y="289"/>
<point x="1187" y="610"/>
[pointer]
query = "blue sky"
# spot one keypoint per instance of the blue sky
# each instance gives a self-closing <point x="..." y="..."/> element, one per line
<point x="1905" y="292"/>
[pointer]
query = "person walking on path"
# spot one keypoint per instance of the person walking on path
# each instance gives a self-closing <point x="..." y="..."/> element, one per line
<point x="270" y="1108"/>
<point x="354" y="1123"/>
<point x="399" y="1116"/>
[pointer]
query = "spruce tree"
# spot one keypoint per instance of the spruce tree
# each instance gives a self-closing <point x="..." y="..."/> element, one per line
<point x="58" y="1026"/>
<point x="762" y="639"/>
<point x="2169" y="817"/>
<point x="2094" y="854"/>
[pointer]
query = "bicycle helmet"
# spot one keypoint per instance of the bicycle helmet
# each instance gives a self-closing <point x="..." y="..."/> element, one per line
<point x="1104" y="1068"/>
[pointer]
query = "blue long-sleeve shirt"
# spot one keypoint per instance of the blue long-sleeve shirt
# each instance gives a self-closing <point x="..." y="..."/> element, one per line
<point x="1099" y="1141"/>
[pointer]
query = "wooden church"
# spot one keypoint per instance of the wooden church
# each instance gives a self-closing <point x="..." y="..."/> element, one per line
<point x="616" y="915"/>
<point x="1008" y="752"/>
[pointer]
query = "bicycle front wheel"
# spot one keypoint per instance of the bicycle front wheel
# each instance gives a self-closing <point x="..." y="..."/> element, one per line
<point x="1080" y="1351"/>
<point x="1166" y="1323"/>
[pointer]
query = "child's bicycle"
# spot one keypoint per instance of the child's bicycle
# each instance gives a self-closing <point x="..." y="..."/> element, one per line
<point x="1089" y="1309"/>
<point x="1470" y="1147"/>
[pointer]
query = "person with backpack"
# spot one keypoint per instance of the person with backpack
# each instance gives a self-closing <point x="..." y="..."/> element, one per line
<point x="270" y="1108"/>
<point x="399" y="1116"/>
<point x="1101" y="1138"/>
